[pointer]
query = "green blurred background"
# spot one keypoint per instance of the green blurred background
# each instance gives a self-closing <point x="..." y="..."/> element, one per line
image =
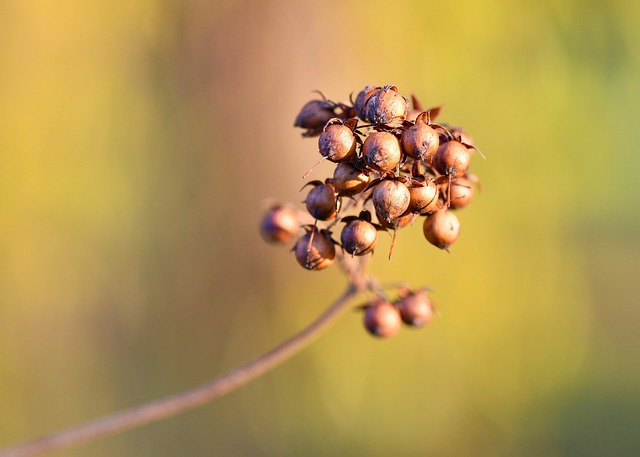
<point x="141" y="141"/>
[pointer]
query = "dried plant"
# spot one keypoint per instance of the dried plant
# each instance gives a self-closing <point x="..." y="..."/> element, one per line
<point x="392" y="161"/>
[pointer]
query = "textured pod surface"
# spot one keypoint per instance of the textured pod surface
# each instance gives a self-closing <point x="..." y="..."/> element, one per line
<point x="390" y="200"/>
<point x="423" y="199"/>
<point x="416" y="309"/>
<point x="337" y="143"/>
<point x="452" y="159"/>
<point x="321" y="202"/>
<point x="420" y="142"/>
<point x="382" y="319"/>
<point x="386" y="105"/>
<point x="441" y="229"/>
<point x="349" y="180"/>
<point x="381" y="151"/>
<point x="315" y="250"/>
<point x="461" y="193"/>
<point x="358" y="237"/>
<point x="361" y="101"/>
<point x="279" y="225"/>
<point x="314" y="115"/>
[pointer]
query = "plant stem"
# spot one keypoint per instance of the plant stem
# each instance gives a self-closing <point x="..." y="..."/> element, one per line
<point x="169" y="406"/>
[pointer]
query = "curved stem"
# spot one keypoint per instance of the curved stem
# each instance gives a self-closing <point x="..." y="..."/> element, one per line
<point x="169" y="406"/>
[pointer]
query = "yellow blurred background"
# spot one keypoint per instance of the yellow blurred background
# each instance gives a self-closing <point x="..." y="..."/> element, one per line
<point x="141" y="141"/>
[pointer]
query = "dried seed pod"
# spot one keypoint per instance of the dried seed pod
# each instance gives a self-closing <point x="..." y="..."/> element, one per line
<point x="349" y="180"/>
<point x="415" y="308"/>
<point x="314" y="115"/>
<point x="441" y="229"/>
<point x="382" y="319"/>
<point x="390" y="199"/>
<point x="359" y="237"/>
<point x="322" y="201"/>
<point x="315" y="250"/>
<point x="361" y="101"/>
<point x="386" y="105"/>
<point x="279" y="225"/>
<point x="337" y="143"/>
<point x="423" y="197"/>
<point x="452" y="159"/>
<point x="420" y="141"/>
<point x="381" y="151"/>
<point x="461" y="193"/>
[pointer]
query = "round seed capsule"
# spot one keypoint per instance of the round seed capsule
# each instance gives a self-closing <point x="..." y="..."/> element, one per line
<point x="315" y="250"/>
<point x="382" y="319"/>
<point x="358" y="237"/>
<point x="441" y="229"/>
<point x="279" y="225"/>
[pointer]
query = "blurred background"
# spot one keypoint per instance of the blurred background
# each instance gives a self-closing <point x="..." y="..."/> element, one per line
<point x="140" y="143"/>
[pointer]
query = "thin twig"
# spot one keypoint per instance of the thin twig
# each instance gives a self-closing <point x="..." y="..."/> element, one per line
<point x="169" y="406"/>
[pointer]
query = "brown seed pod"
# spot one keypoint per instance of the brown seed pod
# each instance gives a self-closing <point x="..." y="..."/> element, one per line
<point x="279" y="225"/>
<point x="314" y="115"/>
<point x="337" y="143"/>
<point x="420" y="141"/>
<point x="441" y="229"/>
<point x="382" y="319"/>
<point x="461" y="193"/>
<point x="381" y="151"/>
<point x="361" y="101"/>
<point x="358" y="237"/>
<point x="349" y="180"/>
<point x="322" y="201"/>
<point x="452" y="159"/>
<point x="423" y="197"/>
<point x="386" y="105"/>
<point x="390" y="199"/>
<point x="315" y="250"/>
<point x="416" y="308"/>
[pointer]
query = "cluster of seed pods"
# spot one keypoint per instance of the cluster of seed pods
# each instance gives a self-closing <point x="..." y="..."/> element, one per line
<point x="392" y="161"/>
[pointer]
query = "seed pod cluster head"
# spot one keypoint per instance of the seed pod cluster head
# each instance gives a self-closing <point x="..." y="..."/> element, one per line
<point x="392" y="164"/>
<point x="387" y="164"/>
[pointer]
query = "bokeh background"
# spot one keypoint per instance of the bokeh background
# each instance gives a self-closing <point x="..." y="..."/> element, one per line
<point x="140" y="143"/>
